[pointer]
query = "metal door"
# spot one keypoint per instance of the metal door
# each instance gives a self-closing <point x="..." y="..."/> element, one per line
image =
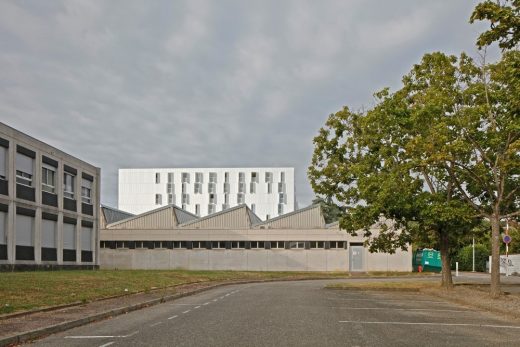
<point x="356" y="258"/>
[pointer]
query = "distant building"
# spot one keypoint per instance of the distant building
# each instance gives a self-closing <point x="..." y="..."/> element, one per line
<point x="48" y="205"/>
<point x="237" y="239"/>
<point x="269" y="192"/>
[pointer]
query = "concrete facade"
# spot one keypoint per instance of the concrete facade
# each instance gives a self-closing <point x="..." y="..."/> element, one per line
<point x="236" y="239"/>
<point x="48" y="206"/>
<point x="269" y="192"/>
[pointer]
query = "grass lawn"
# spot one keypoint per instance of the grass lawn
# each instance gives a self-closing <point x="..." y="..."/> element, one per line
<point x="30" y="290"/>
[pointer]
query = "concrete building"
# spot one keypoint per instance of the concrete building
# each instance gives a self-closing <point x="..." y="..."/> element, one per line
<point x="269" y="192"/>
<point x="48" y="206"/>
<point x="237" y="239"/>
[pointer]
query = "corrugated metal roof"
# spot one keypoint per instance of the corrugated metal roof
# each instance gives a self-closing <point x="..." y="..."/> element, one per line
<point x="306" y="218"/>
<point x="253" y="217"/>
<point x="235" y="217"/>
<point x="113" y="215"/>
<point x="161" y="218"/>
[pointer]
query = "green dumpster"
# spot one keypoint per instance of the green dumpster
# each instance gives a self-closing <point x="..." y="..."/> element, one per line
<point x="426" y="260"/>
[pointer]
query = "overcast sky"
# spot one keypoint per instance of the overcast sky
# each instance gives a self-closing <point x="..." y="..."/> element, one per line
<point x="124" y="84"/>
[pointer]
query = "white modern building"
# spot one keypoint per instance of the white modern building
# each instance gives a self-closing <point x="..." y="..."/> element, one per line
<point x="269" y="192"/>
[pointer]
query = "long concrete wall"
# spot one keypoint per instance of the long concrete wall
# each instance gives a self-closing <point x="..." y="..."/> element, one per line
<point x="250" y="260"/>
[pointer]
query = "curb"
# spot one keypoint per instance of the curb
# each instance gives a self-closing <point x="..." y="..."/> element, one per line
<point x="34" y="334"/>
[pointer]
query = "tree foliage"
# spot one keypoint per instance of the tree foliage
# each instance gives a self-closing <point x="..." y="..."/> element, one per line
<point x="331" y="211"/>
<point x="504" y="17"/>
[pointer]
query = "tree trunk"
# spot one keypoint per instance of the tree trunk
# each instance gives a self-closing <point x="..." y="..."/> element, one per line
<point x="495" y="256"/>
<point x="447" y="281"/>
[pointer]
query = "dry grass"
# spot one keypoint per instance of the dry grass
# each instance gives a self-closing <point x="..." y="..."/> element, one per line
<point x="31" y="290"/>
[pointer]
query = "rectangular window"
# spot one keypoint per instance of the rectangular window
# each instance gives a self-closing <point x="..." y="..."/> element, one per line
<point x="241" y="177"/>
<point x="49" y="230"/>
<point x="179" y="244"/>
<point x="240" y="198"/>
<point x="280" y="209"/>
<point x="170" y="188"/>
<point x="198" y="177"/>
<point x="158" y="244"/>
<point x="86" y="191"/>
<point x="337" y="244"/>
<point x="277" y="245"/>
<point x="226" y="177"/>
<point x="282" y="176"/>
<point x="238" y="244"/>
<point x="213" y="198"/>
<point x="197" y="188"/>
<point x="257" y="244"/>
<point x="268" y="177"/>
<point x="157" y="178"/>
<point x="158" y="199"/>
<point x="212" y="187"/>
<point x="253" y="208"/>
<point x="121" y="245"/>
<point x="218" y="244"/>
<point x="184" y="188"/>
<point x="48" y="178"/>
<point x="226" y="187"/>
<point x="212" y="208"/>
<point x="185" y="177"/>
<point x="186" y="199"/>
<point x="184" y="206"/>
<point x="267" y="217"/>
<point x="3" y="162"/>
<point x="170" y="177"/>
<point x="241" y="187"/>
<point x="213" y="177"/>
<point x="318" y="244"/>
<point x="86" y="239"/>
<point x="281" y="187"/>
<point x="198" y="244"/>
<point x="269" y="188"/>
<point x="68" y="185"/>
<point x="24" y="169"/>
<point x="197" y="210"/>
<point x="296" y="244"/>
<point x="171" y="200"/>
<point x="225" y="207"/>
<point x="24" y="230"/>
<point x="252" y="187"/>
<point x="69" y="236"/>
<point x="282" y="198"/>
<point x="254" y="177"/>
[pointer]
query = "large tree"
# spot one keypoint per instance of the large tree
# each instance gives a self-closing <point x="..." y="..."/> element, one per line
<point x="504" y="18"/>
<point x="445" y="144"/>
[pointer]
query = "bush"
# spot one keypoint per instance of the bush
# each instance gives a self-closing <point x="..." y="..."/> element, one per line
<point x="465" y="258"/>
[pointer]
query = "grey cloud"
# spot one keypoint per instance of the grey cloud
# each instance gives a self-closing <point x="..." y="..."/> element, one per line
<point x="206" y="83"/>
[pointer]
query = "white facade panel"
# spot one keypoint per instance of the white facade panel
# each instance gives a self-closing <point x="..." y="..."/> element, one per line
<point x="86" y="239"/>
<point x="24" y="230"/>
<point x="49" y="228"/>
<point x="138" y="189"/>
<point x="69" y="236"/>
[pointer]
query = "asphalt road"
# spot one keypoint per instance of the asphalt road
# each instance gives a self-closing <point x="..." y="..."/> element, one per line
<point x="297" y="314"/>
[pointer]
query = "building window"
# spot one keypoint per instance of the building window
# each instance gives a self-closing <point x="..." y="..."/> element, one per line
<point x="241" y="177"/>
<point x="158" y="199"/>
<point x="170" y="188"/>
<point x="184" y="206"/>
<point x="186" y="199"/>
<point x="213" y="198"/>
<point x="226" y="187"/>
<point x="281" y="187"/>
<point x="185" y="177"/>
<point x="257" y="244"/>
<point x="48" y="178"/>
<point x="252" y="187"/>
<point x="282" y="176"/>
<point x="197" y="209"/>
<point x="296" y="244"/>
<point x="24" y="169"/>
<point x="282" y="198"/>
<point x="218" y="244"/>
<point x="68" y="185"/>
<point x="171" y="200"/>
<point x="241" y="187"/>
<point x="318" y="244"/>
<point x="254" y="177"/>
<point x="253" y="208"/>
<point x="159" y="244"/>
<point x="86" y="191"/>
<point x="277" y="245"/>
<point x="240" y="198"/>
<point x="267" y="217"/>
<point x="170" y="177"/>
<point x="280" y="209"/>
<point x="198" y="244"/>
<point x="238" y="244"/>
<point x="337" y="244"/>
<point x="268" y="177"/>
<point x="225" y="207"/>
<point x="269" y="188"/>
<point x="3" y="162"/>
<point x="86" y="238"/>
<point x="69" y="236"/>
<point x="198" y="183"/>
<point x="212" y="208"/>
<point x="213" y="177"/>
<point x="157" y="178"/>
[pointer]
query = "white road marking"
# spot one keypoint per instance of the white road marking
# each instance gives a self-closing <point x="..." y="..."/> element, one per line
<point x="184" y="304"/>
<point x="101" y="336"/>
<point x="172" y="317"/>
<point x="206" y="303"/>
<point x="186" y="311"/>
<point x="196" y="307"/>
<point x="227" y="294"/>
<point x="439" y="324"/>
<point x="155" y="324"/>
<point x="222" y="297"/>
<point x="107" y="344"/>
<point x="399" y="309"/>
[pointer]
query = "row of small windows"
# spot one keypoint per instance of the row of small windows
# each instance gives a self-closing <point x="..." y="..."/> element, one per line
<point x="224" y="244"/>
<point x="24" y="174"/>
